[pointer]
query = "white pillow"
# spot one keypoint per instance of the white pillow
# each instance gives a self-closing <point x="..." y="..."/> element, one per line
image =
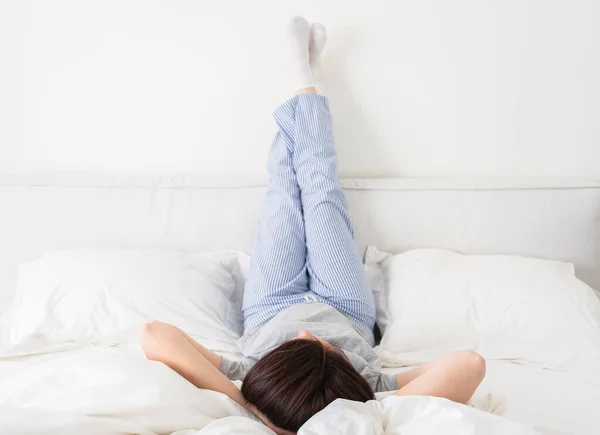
<point x="505" y="307"/>
<point x="104" y="296"/>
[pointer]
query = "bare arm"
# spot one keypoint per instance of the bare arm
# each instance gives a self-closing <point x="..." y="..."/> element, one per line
<point x="454" y="376"/>
<point x="173" y="347"/>
<point x="212" y="357"/>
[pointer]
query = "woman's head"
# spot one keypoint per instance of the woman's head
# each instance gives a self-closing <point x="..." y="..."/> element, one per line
<point x="299" y="378"/>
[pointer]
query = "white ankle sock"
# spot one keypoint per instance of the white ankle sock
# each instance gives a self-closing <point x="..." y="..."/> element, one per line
<point x="299" y="36"/>
<point x="318" y="39"/>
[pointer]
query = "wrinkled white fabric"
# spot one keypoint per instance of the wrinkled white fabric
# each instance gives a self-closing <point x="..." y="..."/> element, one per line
<point x="98" y="390"/>
<point x="103" y="296"/>
<point x="430" y="301"/>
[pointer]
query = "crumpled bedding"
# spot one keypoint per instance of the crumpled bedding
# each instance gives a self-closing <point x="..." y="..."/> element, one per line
<point x="115" y="390"/>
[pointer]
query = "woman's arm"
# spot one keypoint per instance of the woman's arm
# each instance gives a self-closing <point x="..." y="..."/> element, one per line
<point x="212" y="357"/>
<point x="173" y="347"/>
<point x="454" y="376"/>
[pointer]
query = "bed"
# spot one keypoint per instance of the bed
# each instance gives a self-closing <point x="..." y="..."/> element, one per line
<point x="72" y="388"/>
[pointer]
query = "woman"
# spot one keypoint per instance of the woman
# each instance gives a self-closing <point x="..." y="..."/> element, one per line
<point x="308" y="311"/>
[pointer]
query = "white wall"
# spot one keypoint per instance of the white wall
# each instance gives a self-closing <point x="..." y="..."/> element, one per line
<point x="418" y="87"/>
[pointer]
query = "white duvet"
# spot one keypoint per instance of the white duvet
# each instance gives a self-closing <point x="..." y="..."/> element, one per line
<point x="115" y="390"/>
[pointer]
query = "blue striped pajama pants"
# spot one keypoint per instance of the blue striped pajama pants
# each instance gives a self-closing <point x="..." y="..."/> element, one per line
<point x="304" y="248"/>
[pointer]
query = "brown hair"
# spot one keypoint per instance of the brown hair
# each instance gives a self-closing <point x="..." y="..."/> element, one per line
<point x="298" y="379"/>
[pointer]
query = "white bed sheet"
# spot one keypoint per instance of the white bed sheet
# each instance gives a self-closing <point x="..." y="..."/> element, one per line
<point x="95" y="389"/>
<point x="553" y="402"/>
<point x="556" y="401"/>
<point x="115" y="390"/>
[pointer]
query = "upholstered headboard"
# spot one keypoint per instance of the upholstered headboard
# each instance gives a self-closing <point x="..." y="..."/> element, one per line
<point x="548" y="218"/>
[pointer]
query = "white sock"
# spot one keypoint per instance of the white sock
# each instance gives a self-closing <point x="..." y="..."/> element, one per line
<point x="299" y="36"/>
<point x="318" y="39"/>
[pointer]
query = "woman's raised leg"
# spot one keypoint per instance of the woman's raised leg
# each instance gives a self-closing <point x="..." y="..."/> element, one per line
<point x="278" y="277"/>
<point x="305" y="237"/>
<point x="333" y="259"/>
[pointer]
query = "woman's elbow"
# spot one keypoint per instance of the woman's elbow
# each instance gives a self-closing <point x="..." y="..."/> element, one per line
<point x="148" y="339"/>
